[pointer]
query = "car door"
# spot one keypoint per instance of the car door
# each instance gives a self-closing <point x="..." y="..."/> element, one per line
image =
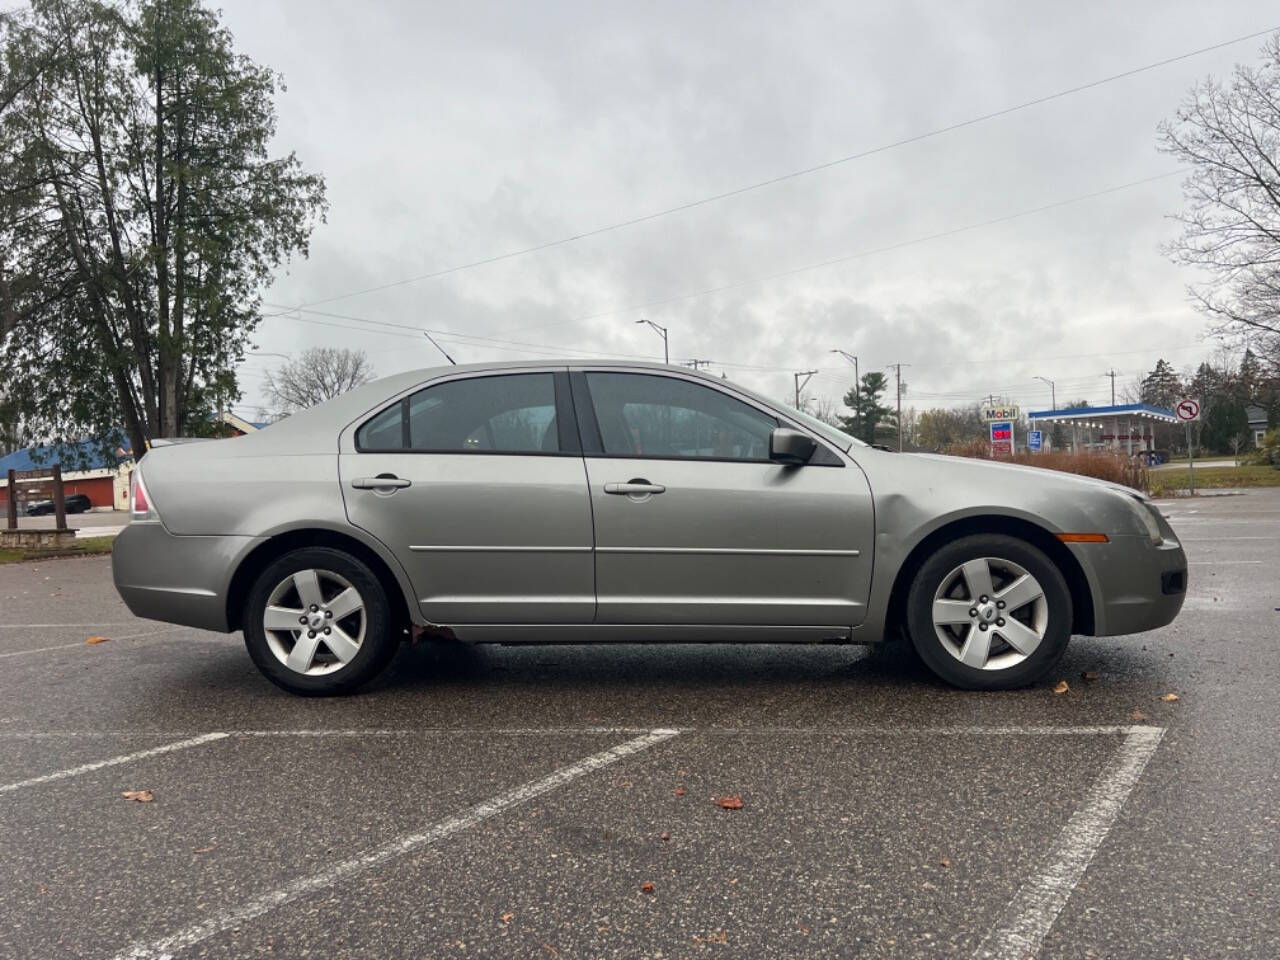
<point x="694" y="524"/>
<point x="476" y="482"/>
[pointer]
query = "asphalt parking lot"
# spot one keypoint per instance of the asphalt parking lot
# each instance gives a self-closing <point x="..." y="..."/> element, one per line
<point x="562" y="801"/>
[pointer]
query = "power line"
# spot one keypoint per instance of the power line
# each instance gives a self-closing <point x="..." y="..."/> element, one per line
<point x="294" y="313"/>
<point x="447" y="335"/>
<point x="859" y="255"/>
<point x="795" y="174"/>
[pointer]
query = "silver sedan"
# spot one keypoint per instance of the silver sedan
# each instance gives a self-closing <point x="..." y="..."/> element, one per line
<point x="623" y="503"/>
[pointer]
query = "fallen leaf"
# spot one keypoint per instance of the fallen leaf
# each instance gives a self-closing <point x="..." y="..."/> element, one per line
<point x="1137" y="717"/>
<point x="646" y="887"/>
<point x="1090" y="676"/>
<point x="142" y="796"/>
<point x="679" y="791"/>
<point x="97" y="640"/>
<point x="944" y="862"/>
<point x="508" y="917"/>
<point x="731" y="802"/>
<point x="719" y="937"/>
<point x="664" y="836"/>
<point x="1170" y="698"/>
<point x="1061" y="687"/>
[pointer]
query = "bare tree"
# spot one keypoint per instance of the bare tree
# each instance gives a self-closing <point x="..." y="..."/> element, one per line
<point x="319" y="374"/>
<point x="1229" y="134"/>
<point x="1238" y="442"/>
<point x="827" y="411"/>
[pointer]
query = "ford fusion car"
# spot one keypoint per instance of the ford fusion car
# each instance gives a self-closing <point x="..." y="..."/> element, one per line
<point x="619" y="503"/>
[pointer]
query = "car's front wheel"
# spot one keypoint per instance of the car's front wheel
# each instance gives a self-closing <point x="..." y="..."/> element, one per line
<point x="317" y="622"/>
<point x="989" y="612"/>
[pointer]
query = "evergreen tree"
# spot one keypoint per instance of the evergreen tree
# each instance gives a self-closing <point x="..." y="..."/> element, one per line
<point x="870" y="420"/>
<point x="1162" y="387"/>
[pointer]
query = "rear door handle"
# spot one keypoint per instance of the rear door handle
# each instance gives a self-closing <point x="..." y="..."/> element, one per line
<point x="635" y="488"/>
<point x="380" y="483"/>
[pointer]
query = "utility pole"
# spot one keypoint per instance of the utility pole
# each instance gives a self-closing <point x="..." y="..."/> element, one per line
<point x="666" y="353"/>
<point x="1053" y="391"/>
<point x="857" y="389"/>
<point x="1112" y="374"/>
<point x="800" y="385"/>
<point x="898" y="370"/>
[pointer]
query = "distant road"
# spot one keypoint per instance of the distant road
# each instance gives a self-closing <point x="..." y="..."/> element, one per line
<point x="1182" y="464"/>
<point x="106" y="523"/>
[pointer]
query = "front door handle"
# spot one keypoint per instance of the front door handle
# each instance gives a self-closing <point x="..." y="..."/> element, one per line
<point x="634" y="488"/>
<point x="386" y="482"/>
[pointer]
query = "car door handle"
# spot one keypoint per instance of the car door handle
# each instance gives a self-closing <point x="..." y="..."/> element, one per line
<point x="635" y="488"/>
<point x="387" y="482"/>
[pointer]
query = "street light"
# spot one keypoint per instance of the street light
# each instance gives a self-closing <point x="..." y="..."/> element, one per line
<point x="857" y="390"/>
<point x="1053" y="391"/>
<point x="666" y="355"/>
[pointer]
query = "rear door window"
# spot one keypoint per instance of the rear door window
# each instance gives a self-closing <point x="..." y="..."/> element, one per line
<point x="511" y="413"/>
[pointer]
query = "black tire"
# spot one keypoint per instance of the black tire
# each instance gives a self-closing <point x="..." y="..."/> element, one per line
<point x="378" y="646"/>
<point x="932" y="648"/>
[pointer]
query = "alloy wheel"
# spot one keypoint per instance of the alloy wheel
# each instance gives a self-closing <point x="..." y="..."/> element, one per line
<point x="990" y="614"/>
<point x="315" y="622"/>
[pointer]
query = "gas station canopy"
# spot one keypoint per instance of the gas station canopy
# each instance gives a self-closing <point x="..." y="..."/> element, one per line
<point x="1124" y="428"/>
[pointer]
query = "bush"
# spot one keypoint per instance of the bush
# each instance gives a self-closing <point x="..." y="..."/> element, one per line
<point x="1268" y="452"/>
<point x="1112" y="467"/>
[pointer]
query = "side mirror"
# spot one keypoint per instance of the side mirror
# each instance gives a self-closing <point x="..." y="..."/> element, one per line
<point x="791" y="446"/>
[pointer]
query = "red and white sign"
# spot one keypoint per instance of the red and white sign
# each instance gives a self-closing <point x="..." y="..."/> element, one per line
<point x="1187" y="410"/>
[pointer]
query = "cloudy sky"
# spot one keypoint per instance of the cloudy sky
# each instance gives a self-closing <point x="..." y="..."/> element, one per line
<point x="453" y="133"/>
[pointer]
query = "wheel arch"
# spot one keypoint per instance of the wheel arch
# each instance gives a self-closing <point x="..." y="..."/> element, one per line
<point x="1077" y="582"/>
<point x="276" y="546"/>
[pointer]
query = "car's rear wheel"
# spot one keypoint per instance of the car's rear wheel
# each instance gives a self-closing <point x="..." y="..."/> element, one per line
<point x="989" y="612"/>
<point x="317" y="622"/>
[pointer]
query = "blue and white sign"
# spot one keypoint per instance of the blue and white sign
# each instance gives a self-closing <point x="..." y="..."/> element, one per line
<point x="1035" y="440"/>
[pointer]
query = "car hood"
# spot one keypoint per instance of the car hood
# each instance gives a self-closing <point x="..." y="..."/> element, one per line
<point x="1031" y="474"/>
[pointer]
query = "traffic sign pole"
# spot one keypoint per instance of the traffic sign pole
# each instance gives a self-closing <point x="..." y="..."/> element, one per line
<point x="1188" y="411"/>
<point x="1191" y="462"/>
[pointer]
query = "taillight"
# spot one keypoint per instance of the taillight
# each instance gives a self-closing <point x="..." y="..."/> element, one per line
<point x="139" y="504"/>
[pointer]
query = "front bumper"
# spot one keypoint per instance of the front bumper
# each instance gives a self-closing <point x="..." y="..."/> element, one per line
<point x="1136" y="585"/>
<point x="180" y="580"/>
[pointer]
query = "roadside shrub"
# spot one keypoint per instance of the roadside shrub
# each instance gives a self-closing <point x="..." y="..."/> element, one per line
<point x="1102" y="466"/>
<point x="1268" y="452"/>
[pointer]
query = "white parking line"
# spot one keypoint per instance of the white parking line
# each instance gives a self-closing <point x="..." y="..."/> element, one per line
<point x="45" y="626"/>
<point x="198" y="932"/>
<point x="114" y="761"/>
<point x="81" y="643"/>
<point x="1026" y="922"/>
<point x="1221" y="539"/>
<point x="1217" y="563"/>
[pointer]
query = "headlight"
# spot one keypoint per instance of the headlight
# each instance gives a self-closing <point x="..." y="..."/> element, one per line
<point x="1147" y="513"/>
